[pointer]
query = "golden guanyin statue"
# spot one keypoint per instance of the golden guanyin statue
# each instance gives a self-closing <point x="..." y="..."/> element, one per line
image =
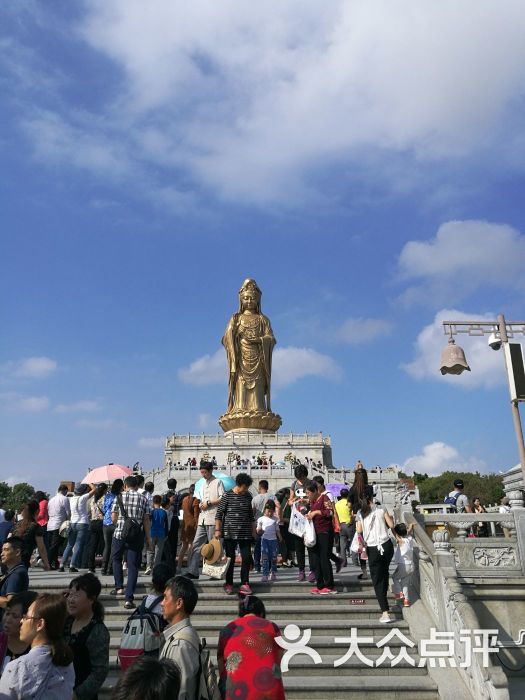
<point x="249" y="342"/>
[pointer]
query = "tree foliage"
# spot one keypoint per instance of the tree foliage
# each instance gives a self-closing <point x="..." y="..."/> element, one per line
<point x="433" y="489"/>
<point x="15" y="496"/>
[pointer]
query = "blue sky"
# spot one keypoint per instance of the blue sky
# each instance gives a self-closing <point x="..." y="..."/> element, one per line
<point x="362" y="161"/>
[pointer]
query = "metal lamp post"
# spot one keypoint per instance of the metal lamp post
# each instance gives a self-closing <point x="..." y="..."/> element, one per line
<point x="453" y="360"/>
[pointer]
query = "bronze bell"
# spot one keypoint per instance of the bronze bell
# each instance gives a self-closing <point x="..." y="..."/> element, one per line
<point x="453" y="359"/>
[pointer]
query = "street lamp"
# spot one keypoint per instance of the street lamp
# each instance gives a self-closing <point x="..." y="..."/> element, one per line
<point x="453" y="361"/>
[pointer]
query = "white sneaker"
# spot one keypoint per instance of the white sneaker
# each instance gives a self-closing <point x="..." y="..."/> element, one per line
<point x="148" y="571"/>
<point x="385" y="618"/>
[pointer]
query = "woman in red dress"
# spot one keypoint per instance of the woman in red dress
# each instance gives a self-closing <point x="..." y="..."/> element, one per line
<point x="248" y="656"/>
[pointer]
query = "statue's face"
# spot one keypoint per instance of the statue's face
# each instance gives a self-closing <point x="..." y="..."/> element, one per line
<point x="249" y="300"/>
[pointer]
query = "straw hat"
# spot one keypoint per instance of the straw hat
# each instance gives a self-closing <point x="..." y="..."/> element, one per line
<point x="211" y="552"/>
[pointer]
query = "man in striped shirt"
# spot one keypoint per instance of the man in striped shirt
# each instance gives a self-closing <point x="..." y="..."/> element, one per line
<point x="134" y="505"/>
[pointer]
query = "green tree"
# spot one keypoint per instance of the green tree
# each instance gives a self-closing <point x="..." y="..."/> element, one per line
<point x="488" y="487"/>
<point x="5" y="491"/>
<point x="20" y="494"/>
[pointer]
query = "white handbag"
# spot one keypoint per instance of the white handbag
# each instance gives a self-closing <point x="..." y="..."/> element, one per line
<point x="217" y="570"/>
<point x="309" y="534"/>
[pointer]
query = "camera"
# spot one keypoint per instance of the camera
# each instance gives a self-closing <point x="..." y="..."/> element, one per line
<point x="494" y="341"/>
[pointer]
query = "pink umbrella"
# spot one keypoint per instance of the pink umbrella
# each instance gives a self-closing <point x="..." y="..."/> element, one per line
<point x="108" y="472"/>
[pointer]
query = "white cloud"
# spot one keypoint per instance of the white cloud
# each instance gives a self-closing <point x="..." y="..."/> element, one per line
<point x="356" y="331"/>
<point x="18" y="479"/>
<point x="208" y="369"/>
<point x="487" y="367"/>
<point x="29" y="368"/>
<point x="103" y="424"/>
<point x="16" y="403"/>
<point x="151" y="442"/>
<point x="217" y="90"/>
<point x="206" y="421"/>
<point x="86" y="406"/>
<point x="463" y="256"/>
<point x="291" y="364"/>
<point x="288" y="365"/>
<point x="438" y="457"/>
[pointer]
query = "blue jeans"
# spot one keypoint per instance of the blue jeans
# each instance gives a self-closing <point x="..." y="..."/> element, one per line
<point x="133" y="559"/>
<point x="78" y="533"/>
<point x="269" y="549"/>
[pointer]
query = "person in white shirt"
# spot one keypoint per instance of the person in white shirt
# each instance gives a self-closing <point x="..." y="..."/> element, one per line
<point x="372" y="522"/>
<point x="59" y="510"/>
<point x="505" y="509"/>
<point x="79" y="529"/>
<point x="404" y="558"/>
<point x="268" y="529"/>
<point x="2" y="511"/>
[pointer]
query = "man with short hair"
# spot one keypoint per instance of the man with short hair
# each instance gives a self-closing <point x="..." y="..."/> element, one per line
<point x="59" y="510"/>
<point x="16" y="579"/>
<point x="182" y="641"/>
<point x="209" y="495"/>
<point x="129" y="505"/>
<point x="457" y="499"/>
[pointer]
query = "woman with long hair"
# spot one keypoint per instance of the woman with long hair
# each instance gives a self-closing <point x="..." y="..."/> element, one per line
<point x="248" y="656"/>
<point x="373" y="523"/>
<point x="42" y="517"/>
<point x="108" y="528"/>
<point x="31" y="534"/>
<point x="87" y="636"/>
<point x="46" y="671"/>
<point x="96" y="534"/>
<point x="479" y="529"/>
<point x="358" y="491"/>
<point x="17" y="606"/>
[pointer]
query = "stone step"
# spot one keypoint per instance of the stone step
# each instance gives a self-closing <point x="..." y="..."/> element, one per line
<point x="338" y="686"/>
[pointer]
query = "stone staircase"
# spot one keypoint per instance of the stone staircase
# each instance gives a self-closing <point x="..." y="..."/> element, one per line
<point x="288" y="601"/>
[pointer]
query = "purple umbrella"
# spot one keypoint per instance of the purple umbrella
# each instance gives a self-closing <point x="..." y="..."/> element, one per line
<point x="335" y="489"/>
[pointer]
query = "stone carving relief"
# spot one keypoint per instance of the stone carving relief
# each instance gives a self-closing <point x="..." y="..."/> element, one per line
<point x="495" y="556"/>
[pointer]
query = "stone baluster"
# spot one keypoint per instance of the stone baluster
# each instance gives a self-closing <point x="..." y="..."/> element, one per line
<point x="462" y="529"/>
<point x="441" y="539"/>
<point x="516" y="499"/>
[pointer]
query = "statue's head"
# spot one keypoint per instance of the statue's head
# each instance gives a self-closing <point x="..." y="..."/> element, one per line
<point x="250" y="296"/>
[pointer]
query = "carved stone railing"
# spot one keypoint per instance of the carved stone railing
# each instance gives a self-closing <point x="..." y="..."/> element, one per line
<point x="440" y="589"/>
<point x="494" y="555"/>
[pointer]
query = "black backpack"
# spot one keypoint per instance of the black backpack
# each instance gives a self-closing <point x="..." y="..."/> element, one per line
<point x="131" y="530"/>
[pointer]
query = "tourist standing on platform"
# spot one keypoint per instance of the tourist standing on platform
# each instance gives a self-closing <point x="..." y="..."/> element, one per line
<point x="87" y="635"/>
<point x="268" y="531"/>
<point x="108" y="528"/>
<point x="16" y="607"/>
<point x="173" y="531"/>
<point x="190" y="518"/>
<point x="321" y="513"/>
<point x="248" y="656"/>
<point x="234" y="522"/>
<point x="7" y="525"/>
<point x="134" y="506"/>
<point x="31" y="534"/>
<point x="346" y="532"/>
<point x="258" y="505"/>
<point x="321" y="489"/>
<point x="359" y="491"/>
<point x="59" y="510"/>
<point x="16" y="578"/>
<point x="299" y="498"/>
<point x="158" y="532"/>
<point x="46" y="672"/>
<point x="373" y="523"/>
<point x="210" y="495"/>
<point x="42" y="516"/>
<point x="182" y="641"/>
<point x="96" y="524"/>
<point x="79" y="529"/>
<point x="287" y="542"/>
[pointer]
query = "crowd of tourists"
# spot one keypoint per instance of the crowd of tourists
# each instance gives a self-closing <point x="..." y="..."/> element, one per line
<point x="58" y="645"/>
